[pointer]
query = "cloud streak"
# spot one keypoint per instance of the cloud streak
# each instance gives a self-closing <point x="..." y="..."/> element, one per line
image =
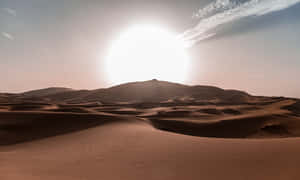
<point x="7" y="35"/>
<point x="225" y="11"/>
<point x="10" y="11"/>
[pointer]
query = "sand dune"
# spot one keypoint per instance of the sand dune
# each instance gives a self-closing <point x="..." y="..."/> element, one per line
<point x="267" y="121"/>
<point x="135" y="150"/>
<point x="16" y="127"/>
<point x="223" y="134"/>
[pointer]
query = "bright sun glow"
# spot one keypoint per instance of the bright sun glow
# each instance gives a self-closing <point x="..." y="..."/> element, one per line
<point x="145" y="53"/>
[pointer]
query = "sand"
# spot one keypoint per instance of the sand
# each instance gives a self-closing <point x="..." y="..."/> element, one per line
<point x="257" y="138"/>
<point x="135" y="150"/>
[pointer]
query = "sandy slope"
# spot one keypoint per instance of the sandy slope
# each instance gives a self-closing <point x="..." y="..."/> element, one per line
<point x="135" y="150"/>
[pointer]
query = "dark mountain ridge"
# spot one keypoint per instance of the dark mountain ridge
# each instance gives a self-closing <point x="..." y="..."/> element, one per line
<point x="46" y="91"/>
<point x="146" y="91"/>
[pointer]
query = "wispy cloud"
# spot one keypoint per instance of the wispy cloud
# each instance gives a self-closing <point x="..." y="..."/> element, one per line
<point x="7" y="35"/>
<point x="224" y="11"/>
<point x="10" y="11"/>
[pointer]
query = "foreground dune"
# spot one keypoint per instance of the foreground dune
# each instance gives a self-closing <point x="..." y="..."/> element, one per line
<point x="131" y="149"/>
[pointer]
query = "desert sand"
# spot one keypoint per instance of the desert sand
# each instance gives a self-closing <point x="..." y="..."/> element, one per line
<point x="182" y="136"/>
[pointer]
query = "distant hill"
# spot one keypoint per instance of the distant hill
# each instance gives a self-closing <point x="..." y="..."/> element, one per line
<point x="146" y="91"/>
<point x="46" y="92"/>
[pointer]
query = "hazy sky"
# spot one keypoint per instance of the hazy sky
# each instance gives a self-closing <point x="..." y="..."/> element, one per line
<point x="47" y="43"/>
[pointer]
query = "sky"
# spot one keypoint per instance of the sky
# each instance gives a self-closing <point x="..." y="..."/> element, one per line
<point x="250" y="47"/>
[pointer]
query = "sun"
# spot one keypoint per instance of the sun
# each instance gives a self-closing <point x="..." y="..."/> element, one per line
<point x="147" y="52"/>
